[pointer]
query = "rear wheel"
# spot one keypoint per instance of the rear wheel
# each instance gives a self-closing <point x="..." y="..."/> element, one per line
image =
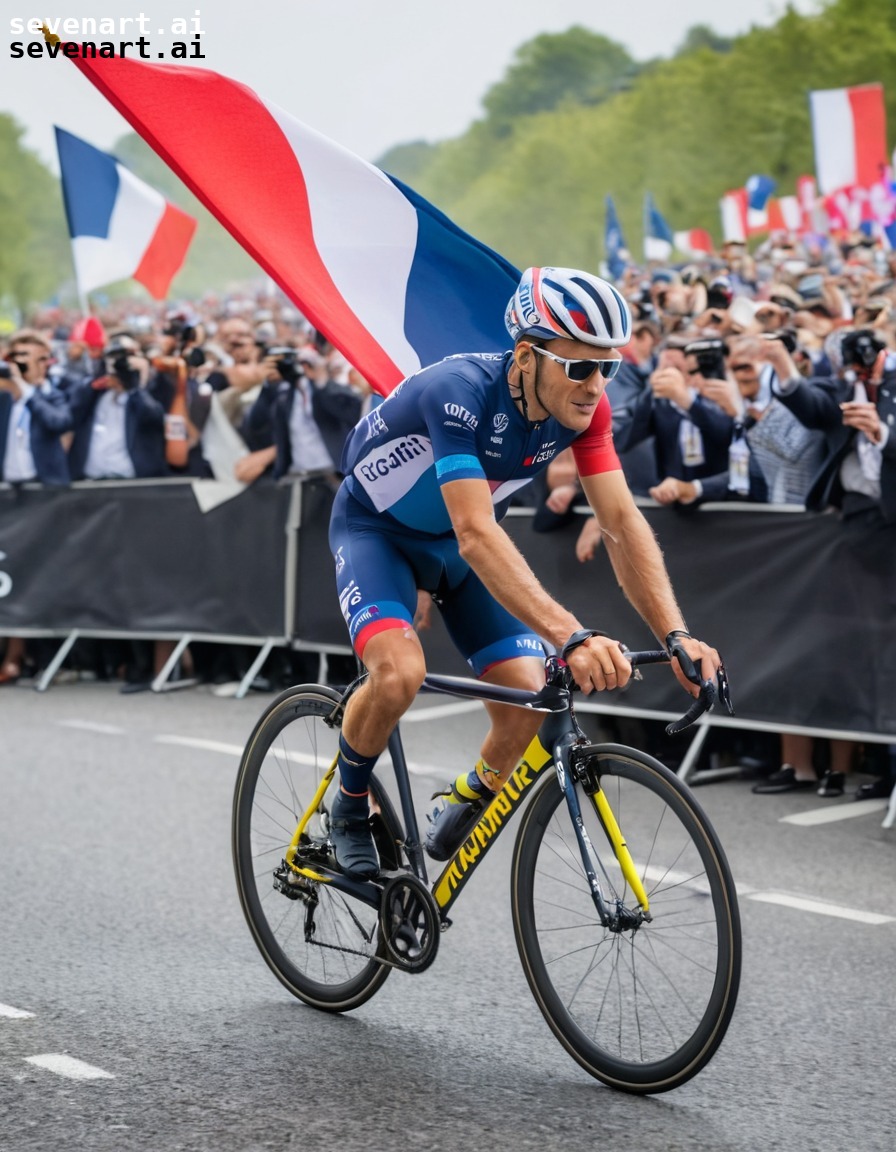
<point x="323" y="944"/>
<point x="644" y="1009"/>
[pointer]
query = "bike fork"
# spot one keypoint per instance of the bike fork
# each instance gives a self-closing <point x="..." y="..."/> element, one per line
<point x="616" y="917"/>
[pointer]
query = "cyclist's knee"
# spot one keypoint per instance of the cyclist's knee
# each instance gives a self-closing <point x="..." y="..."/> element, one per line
<point x="396" y="667"/>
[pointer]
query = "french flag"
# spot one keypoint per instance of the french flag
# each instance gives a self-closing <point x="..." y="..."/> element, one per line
<point x="120" y="227"/>
<point x="387" y="278"/>
<point x="695" y="242"/>
<point x="849" y="130"/>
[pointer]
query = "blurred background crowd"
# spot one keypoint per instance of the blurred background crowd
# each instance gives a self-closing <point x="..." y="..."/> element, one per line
<point x="766" y="377"/>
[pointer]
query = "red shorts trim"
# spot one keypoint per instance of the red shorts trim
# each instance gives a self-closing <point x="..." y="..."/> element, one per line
<point x="376" y="626"/>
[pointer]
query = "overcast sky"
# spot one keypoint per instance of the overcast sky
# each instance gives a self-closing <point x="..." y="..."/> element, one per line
<point x="368" y="74"/>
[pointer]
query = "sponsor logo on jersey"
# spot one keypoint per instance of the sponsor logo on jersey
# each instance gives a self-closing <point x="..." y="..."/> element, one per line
<point x="376" y="425"/>
<point x="340" y="560"/>
<point x="497" y="439"/>
<point x="464" y="415"/>
<point x="349" y="598"/>
<point x="546" y="452"/>
<point x="367" y="616"/>
<point x="500" y="421"/>
<point x="393" y="455"/>
<point x="529" y="644"/>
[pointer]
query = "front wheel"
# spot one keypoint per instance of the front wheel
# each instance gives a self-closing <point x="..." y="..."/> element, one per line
<point x="323" y="944"/>
<point x="644" y="1009"/>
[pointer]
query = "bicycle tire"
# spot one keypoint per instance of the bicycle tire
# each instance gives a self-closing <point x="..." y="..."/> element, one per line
<point x="288" y="753"/>
<point x="642" y="1011"/>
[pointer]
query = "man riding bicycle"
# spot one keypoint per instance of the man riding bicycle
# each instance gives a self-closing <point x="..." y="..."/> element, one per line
<point x="428" y="476"/>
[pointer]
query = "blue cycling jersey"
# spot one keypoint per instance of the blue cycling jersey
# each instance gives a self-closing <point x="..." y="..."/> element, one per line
<point x="456" y="420"/>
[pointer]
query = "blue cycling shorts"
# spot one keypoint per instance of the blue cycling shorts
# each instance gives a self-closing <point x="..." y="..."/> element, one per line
<point x="379" y="567"/>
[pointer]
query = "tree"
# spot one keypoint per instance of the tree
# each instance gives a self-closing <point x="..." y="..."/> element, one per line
<point x="35" y="254"/>
<point x="576" y="65"/>
<point x="702" y="36"/>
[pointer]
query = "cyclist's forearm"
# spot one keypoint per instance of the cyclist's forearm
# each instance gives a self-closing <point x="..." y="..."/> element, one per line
<point x="503" y="570"/>
<point x="641" y="572"/>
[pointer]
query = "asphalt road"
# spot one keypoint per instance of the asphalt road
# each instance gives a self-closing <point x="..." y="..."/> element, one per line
<point x="136" y="1012"/>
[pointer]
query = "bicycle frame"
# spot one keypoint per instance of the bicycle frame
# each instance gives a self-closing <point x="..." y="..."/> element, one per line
<point x="560" y="741"/>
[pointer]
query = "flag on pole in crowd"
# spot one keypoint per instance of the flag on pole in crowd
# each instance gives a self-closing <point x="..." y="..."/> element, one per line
<point x="733" y="206"/>
<point x="849" y="131"/>
<point x="614" y="242"/>
<point x="120" y="227"/>
<point x="657" y="233"/>
<point x="694" y="243"/>
<point x="759" y="190"/>
<point x="389" y="280"/>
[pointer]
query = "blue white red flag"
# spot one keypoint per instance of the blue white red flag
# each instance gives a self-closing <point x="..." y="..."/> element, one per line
<point x="614" y="242"/>
<point x="695" y="242"/>
<point x="849" y="131"/>
<point x="759" y="188"/>
<point x="120" y="227"/>
<point x="657" y="233"/>
<point x="385" y="276"/>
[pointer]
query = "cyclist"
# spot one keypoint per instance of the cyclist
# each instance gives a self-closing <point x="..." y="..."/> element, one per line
<point x="428" y="475"/>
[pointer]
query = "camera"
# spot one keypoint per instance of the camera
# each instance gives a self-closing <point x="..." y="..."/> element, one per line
<point x="5" y="373"/>
<point x="710" y="356"/>
<point x="860" y="349"/>
<point x="195" y="358"/>
<point x="785" y="336"/>
<point x="287" y="362"/>
<point x="117" y="357"/>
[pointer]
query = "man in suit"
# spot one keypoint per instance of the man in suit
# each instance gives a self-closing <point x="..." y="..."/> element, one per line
<point x="33" y="419"/>
<point x="119" y="427"/>
<point x="856" y="410"/>
<point x="691" y="433"/>
<point x="303" y="414"/>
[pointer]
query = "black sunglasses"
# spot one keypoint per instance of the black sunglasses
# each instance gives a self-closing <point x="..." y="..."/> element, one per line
<point x="581" y="370"/>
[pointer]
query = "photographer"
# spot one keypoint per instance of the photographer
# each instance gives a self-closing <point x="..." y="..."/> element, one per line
<point x="691" y="432"/>
<point x="772" y="458"/>
<point x="303" y="415"/>
<point x="33" y="416"/>
<point x="184" y="397"/>
<point x="119" y="427"/>
<point x="856" y="410"/>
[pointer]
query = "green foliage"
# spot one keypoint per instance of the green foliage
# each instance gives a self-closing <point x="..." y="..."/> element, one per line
<point x="34" y="242"/>
<point x="576" y="65"/>
<point x="687" y="130"/>
<point x="407" y="161"/>
<point x="702" y="36"/>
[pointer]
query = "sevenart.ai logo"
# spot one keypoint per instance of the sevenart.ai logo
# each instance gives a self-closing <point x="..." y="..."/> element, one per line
<point x="5" y="580"/>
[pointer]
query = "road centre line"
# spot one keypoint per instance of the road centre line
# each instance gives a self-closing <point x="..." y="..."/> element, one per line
<point x="68" y="1067"/>
<point x="820" y="907"/>
<point x="11" y="1013"/>
<point x="91" y="726"/>
<point x="295" y="757"/>
<point x="837" y="812"/>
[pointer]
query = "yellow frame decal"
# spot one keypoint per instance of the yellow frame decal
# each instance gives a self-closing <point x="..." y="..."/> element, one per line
<point x="605" y="812"/>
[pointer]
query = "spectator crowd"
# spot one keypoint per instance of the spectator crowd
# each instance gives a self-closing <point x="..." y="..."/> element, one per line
<point x="766" y="377"/>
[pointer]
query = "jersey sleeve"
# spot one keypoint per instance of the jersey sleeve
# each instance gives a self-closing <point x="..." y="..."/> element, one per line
<point x="453" y="409"/>
<point x="593" y="450"/>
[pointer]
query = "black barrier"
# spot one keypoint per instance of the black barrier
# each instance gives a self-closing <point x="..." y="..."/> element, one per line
<point x="801" y="606"/>
<point x="142" y="558"/>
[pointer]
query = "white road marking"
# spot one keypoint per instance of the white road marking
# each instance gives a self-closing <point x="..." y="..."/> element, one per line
<point x="820" y="907"/>
<point x="838" y="812"/>
<point x="295" y="757"/>
<point x="69" y="1067"/>
<point x="91" y="726"/>
<point x="205" y="745"/>
<point x="15" y="1013"/>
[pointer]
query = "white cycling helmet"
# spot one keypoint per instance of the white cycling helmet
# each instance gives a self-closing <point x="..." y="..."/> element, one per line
<point x="564" y="302"/>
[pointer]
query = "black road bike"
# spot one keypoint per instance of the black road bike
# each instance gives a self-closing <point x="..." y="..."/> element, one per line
<point x="624" y="909"/>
